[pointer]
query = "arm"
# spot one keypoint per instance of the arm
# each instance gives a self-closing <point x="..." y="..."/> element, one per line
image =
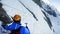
<point x="7" y="27"/>
<point x="13" y="26"/>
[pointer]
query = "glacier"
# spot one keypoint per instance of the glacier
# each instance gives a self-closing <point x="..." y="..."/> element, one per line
<point x="42" y="17"/>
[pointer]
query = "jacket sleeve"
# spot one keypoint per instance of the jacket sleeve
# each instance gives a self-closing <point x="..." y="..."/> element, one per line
<point x="8" y="27"/>
<point x="13" y="26"/>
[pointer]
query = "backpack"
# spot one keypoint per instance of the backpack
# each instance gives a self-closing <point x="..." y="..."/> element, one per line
<point x="20" y="30"/>
<point x="17" y="31"/>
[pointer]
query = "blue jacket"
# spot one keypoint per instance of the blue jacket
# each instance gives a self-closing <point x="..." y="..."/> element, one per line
<point x="14" y="26"/>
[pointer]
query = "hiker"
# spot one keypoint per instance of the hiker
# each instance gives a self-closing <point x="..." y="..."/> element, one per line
<point x="15" y="27"/>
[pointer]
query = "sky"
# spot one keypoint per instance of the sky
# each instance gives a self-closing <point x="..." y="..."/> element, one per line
<point x="56" y="3"/>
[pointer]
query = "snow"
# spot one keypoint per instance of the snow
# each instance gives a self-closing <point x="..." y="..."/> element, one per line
<point x="0" y="22"/>
<point x="56" y="23"/>
<point x="46" y="1"/>
<point x="56" y="4"/>
<point x="13" y="7"/>
<point x="55" y="20"/>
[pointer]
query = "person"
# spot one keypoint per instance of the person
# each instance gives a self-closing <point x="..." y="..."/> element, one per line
<point x="15" y="27"/>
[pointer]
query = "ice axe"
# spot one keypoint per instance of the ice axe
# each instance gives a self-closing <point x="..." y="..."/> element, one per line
<point x="26" y="25"/>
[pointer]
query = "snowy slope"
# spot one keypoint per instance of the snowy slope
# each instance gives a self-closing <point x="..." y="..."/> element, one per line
<point x="39" y="26"/>
<point x="52" y="13"/>
<point x="54" y="17"/>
